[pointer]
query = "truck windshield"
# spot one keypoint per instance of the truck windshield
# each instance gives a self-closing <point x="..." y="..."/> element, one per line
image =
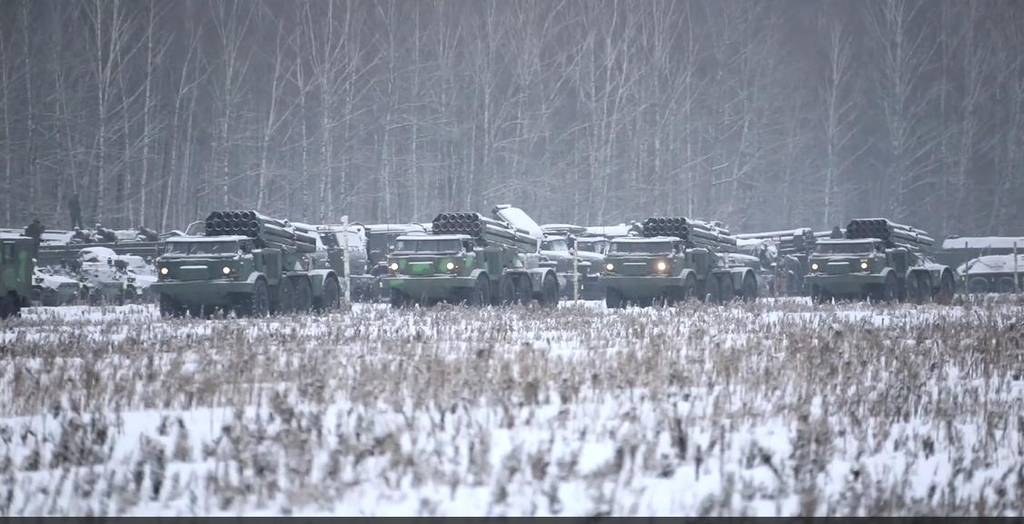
<point x="428" y="246"/>
<point x="844" y="248"/>
<point x="555" y="245"/>
<point x="202" y="248"/>
<point x="592" y="246"/>
<point x="641" y="247"/>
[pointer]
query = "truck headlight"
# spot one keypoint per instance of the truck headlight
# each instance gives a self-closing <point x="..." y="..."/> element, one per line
<point x="609" y="267"/>
<point x="864" y="265"/>
<point x="661" y="266"/>
<point x="226" y="270"/>
<point x="393" y="266"/>
<point x="164" y="270"/>
<point x="814" y="266"/>
<point x="450" y="266"/>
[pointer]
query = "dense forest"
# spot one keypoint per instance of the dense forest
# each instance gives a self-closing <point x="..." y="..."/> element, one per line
<point x="760" y="114"/>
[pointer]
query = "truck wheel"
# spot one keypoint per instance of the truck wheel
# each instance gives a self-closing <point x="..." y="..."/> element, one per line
<point x="1005" y="285"/>
<point x="507" y="291"/>
<point x="257" y="304"/>
<point x="303" y="295"/>
<point x="480" y="296"/>
<point x="287" y="301"/>
<point x="924" y="288"/>
<point x="749" y="288"/>
<point x="612" y="298"/>
<point x="549" y="292"/>
<point x="195" y="311"/>
<point x="891" y="288"/>
<point x="689" y="291"/>
<point x="911" y="289"/>
<point x="524" y="290"/>
<point x="398" y="299"/>
<point x="169" y="308"/>
<point x="946" y="290"/>
<point x="818" y="295"/>
<point x="977" y="285"/>
<point x="331" y="296"/>
<point x="714" y="290"/>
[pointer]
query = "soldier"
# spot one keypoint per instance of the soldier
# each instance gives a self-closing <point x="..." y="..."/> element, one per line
<point x="837" y="233"/>
<point x="35" y="231"/>
<point x="75" y="208"/>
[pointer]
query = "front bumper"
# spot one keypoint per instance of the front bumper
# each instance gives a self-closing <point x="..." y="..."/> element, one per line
<point x="435" y="286"/>
<point x="211" y="292"/>
<point x="645" y="286"/>
<point x="848" y="283"/>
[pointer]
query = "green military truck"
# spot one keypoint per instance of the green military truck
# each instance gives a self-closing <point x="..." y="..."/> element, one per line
<point x="16" y="270"/>
<point x="879" y="260"/>
<point x="469" y="259"/>
<point x="247" y="263"/>
<point x="675" y="259"/>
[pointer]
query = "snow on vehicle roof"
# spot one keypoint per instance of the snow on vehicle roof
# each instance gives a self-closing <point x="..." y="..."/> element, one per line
<point x="641" y="240"/>
<point x="991" y="264"/>
<point x="519" y="219"/>
<point x="848" y="240"/>
<point x="434" y="237"/>
<point x="620" y="230"/>
<point x="224" y="238"/>
<point x="983" y="243"/>
<point x="785" y="233"/>
<point x="591" y="238"/>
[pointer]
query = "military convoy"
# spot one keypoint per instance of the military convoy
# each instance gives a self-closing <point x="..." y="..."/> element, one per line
<point x="879" y="260"/>
<point x="673" y="260"/>
<point x="468" y="258"/>
<point x="247" y="263"/>
<point x="784" y="254"/>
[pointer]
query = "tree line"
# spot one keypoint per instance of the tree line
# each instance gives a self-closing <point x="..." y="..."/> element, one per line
<point x="763" y="115"/>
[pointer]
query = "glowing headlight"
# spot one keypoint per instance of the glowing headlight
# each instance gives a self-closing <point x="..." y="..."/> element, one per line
<point x="864" y="264"/>
<point x="164" y="271"/>
<point x="393" y="266"/>
<point x="450" y="266"/>
<point x="814" y="266"/>
<point x="610" y="267"/>
<point x="226" y="270"/>
<point x="661" y="265"/>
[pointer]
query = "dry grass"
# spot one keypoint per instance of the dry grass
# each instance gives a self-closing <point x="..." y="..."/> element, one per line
<point x="775" y="408"/>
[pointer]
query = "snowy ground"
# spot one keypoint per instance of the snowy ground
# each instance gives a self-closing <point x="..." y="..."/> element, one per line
<point x="775" y="408"/>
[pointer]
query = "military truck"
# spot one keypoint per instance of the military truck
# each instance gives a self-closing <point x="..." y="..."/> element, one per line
<point x="880" y="260"/>
<point x="786" y="252"/>
<point x="335" y="238"/>
<point x="248" y="263"/>
<point x="16" y="270"/>
<point x="675" y="259"/>
<point x="469" y="259"/>
<point x="993" y="274"/>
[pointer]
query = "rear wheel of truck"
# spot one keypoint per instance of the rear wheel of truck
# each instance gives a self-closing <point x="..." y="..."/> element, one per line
<point x="169" y="308"/>
<point x="749" y="288"/>
<point x="480" y="295"/>
<point x="549" y="292"/>
<point x="303" y="295"/>
<point x="332" y="295"/>
<point x="728" y="292"/>
<point x="1005" y="285"/>
<point x="613" y="298"/>
<point x="713" y="290"/>
<point x="689" y="291"/>
<point x="946" y="290"/>
<point x="524" y="290"/>
<point x="922" y="288"/>
<point x="506" y="291"/>
<point x="286" y="301"/>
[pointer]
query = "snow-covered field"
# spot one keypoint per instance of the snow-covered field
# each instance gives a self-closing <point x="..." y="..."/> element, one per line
<point x="775" y="408"/>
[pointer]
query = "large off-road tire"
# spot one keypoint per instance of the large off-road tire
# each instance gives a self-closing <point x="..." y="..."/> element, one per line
<point x="303" y="295"/>
<point x="613" y="298"/>
<point x="748" y="290"/>
<point x="257" y="303"/>
<point x="524" y="290"/>
<point x="169" y="308"/>
<point x="728" y="291"/>
<point x="922" y="292"/>
<point x="977" y="286"/>
<point x="195" y="311"/>
<point x="947" y="288"/>
<point x="910" y="290"/>
<point x="10" y="306"/>
<point x="713" y="290"/>
<point x="506" y="291"/>
<point x="331" y="297"/>
<point x="1005" y="285"/>
<point x="399" y="299"/>
<point x="819" y="296"/>
<point x="890" y="291"/>
<point x="286" y="304"/>
<point x="549" y="292"/>
<point x="480" y="295"/>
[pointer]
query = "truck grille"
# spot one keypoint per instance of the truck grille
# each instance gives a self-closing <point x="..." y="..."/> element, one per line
<point x="838" y="268"/>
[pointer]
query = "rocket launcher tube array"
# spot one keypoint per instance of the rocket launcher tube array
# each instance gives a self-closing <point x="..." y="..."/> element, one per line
<point x="694" y="233"/>
<point x="888" y="232"/>
<point x="484" y="229"/>
<point x="272" y="232"/>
